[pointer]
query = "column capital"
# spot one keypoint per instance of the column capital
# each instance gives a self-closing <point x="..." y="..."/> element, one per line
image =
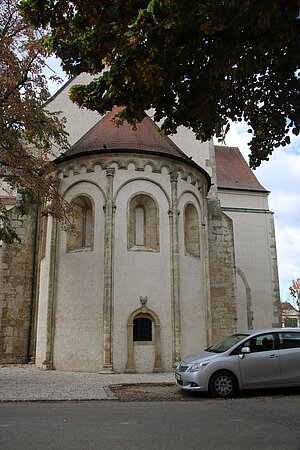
<point x="110" y="171"/>
<point x="174" y="175"/>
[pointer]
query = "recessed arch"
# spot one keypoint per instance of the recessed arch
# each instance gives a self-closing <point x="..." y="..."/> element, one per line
<point x="142" y="179"/>
<point x="82" y="169"/>
<point x="142" y="222"/>
<point x="148" y="314"/>
<point x="187" y="191"/>
<point x="82" y="238"/>
<point x="191" y="230"/>
<point x="247" y="299"/>
<point x="115" y="164"/>
<point x="84" y="181"/>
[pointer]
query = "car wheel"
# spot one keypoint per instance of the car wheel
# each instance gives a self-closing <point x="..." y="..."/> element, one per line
<point x="223" y="384"/>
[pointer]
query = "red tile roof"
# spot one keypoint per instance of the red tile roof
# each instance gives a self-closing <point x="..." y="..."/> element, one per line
<point x="105" y="136"/>
<point x="288" y="307"/>
<point x="8" y="199"/>
<point x="233" y="171"/>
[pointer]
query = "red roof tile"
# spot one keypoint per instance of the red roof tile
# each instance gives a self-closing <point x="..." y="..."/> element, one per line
<point x="233" y="171"/>
<point x="8" y="199"/>
<point x="287" y="306"/>
<point x="105" y="135"/>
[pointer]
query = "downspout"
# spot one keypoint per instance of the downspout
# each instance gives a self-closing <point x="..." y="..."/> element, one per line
<point x="33" y="279"/>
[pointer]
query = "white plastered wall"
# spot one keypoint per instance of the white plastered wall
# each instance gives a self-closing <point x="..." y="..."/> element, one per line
<point x="79" y="291"/>
<point x="138" y="273"/>
<point x="78" y="120"/>
<point x="78" y="288"/>
<point x="78" y="303"/>
<point x="192" y="279"/>
<point x="252" y="224"/>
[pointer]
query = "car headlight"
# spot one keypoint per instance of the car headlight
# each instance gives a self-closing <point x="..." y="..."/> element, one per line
<point x="198" y="366"/>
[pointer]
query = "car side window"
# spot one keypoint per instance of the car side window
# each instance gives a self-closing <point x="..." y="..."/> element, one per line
<point x="289" y="339"/>
<point x="261" y="343"/>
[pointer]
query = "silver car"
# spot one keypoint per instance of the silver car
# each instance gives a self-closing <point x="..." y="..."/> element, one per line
<point x="245" y="360"/>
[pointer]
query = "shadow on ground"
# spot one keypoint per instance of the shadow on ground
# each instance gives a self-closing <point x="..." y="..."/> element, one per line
<point x="170" y="392"/>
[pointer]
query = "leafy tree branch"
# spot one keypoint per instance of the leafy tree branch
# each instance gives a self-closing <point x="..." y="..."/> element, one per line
<point x="28" y="132"/>
<point x="199" y="64"/>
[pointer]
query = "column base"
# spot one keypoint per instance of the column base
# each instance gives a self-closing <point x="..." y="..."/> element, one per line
<point x="47" y="365"/>
<point x="106" y="369"/>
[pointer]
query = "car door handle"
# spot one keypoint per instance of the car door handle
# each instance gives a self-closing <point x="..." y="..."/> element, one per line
<point x="273" y="356"/>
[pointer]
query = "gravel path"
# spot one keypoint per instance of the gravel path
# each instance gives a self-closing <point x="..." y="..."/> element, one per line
<point x="170" y="392"/>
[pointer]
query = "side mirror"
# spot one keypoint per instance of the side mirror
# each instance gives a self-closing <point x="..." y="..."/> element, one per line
<point x="244" y="350"/>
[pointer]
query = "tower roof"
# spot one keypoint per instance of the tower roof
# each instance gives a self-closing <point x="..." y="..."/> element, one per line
<point x="233" y="171"/>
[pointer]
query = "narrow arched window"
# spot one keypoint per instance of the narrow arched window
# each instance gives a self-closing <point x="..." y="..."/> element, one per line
<point x="142" y="329"/>
<point x="191" y="231"/>
<point x="143" y="227"/>
<point x="139" y="226"/>
<point x="81" y="237"/>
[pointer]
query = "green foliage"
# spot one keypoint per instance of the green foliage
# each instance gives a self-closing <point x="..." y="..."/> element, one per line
<point x="198" y="63"/>
<point x="28" y="132"/>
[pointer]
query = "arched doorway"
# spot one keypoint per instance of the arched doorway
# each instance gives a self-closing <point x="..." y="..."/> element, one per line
<point x="143" y="328"/>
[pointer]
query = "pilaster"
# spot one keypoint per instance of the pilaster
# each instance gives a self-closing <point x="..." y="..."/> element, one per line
<point x="175" y="286"/>
<point x="109" y="210"/>
<point x="48" y="362"/>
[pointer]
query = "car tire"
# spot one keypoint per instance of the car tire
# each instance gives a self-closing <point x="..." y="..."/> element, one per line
<point x="223" y="384"/>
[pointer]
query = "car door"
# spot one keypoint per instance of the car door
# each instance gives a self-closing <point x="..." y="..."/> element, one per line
<point x="261" y="366"/>
<point x="289" y="356"/>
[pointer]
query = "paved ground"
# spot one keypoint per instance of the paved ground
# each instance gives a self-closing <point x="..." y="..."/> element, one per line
<point x="28" y="383"/>
<point x="239" y="424"/>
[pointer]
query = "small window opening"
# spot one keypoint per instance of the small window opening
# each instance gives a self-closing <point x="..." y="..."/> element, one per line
<point x="139" y="226"/>
<point x="142" y="329"/>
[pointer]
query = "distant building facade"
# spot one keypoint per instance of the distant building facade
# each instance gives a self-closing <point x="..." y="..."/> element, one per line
<point x="290" y="315"/>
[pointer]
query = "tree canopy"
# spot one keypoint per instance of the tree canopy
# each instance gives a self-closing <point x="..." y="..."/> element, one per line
<point x="28" y="131"/>
<point x="197" y="63"/>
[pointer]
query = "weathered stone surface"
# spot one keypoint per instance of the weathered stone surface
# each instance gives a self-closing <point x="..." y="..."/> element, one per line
<point x="15" y="288"/>
<point x="222" y="271"/>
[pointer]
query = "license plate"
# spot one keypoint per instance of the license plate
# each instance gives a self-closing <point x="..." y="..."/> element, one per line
<point x="177" y="376"/>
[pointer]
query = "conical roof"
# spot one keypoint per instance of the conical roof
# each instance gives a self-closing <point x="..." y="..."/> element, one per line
<point x="105" y="136"/>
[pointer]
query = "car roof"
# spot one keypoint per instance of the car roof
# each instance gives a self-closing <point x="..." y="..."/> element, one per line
<point x="267" y="330"/>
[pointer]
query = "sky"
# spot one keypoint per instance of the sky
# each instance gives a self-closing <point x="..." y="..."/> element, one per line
<point x="281" y="176"/>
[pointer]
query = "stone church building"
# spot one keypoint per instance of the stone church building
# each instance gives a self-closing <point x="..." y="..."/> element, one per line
<point x="176" y="249"/>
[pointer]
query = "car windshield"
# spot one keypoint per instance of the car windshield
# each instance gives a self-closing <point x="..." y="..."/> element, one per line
<point x="226" y="343"/>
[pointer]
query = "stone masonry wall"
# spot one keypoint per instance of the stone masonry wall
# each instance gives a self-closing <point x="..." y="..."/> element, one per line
<point x="16" y="262"/>
<point x="276" y="293"/>
<point x="222" y="271"/>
